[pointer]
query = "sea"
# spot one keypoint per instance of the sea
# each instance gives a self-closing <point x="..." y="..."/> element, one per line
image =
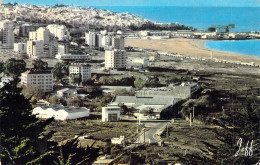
<point x="248" y="47"/>
<point x="246" y="19"/>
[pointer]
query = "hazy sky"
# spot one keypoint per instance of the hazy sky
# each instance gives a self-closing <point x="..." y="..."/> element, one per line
<point x="235" y="3"/>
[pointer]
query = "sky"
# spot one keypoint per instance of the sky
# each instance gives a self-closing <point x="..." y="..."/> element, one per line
<point x="200" y="3"/>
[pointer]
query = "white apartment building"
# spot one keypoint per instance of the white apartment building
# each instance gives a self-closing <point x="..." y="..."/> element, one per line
<point x="115" y="59"/>
<point x="7" y="34"/>
<point x="118" y="42"/>
<point x="92" y="39"/>
<point x="74" y="57"/>
<point x="110" y="113"/>
<point x="43" y="34"/>
<point x="21" y="48"/>
<point x="59" y="31"/>
<point x="83" y="69"/>
<point x="53" y="48"/>
<point x="42" y="79"/>
<point x="63" y="49"/>
<point x="35" y="49"/>
<point x="33" y="36"/>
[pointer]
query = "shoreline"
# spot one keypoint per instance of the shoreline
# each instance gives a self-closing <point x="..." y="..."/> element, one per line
<point x="190" y="47"/>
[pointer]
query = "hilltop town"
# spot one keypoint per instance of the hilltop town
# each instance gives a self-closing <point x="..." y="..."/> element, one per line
<point x="106" y="89"/>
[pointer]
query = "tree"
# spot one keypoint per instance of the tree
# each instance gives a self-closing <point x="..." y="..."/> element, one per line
<point x="1" y="67"/>
<point x="22" y="137"/>
<point x="14" y="67"/>
<point x="124" y="109"/>
<point x="40" y="65"/>
<point x="54" y="100"/>
<point x="30" y="92"/>
<point x="148" y="111"/>
<point x="74" y="101"/>
<point x="139" y="83"/>
<point x="60" y="70"/>
<point x="93" y="91"/>
<point x="75" y="78"/>
<point x="107" y="80"/>
<point x="153" y="82"/>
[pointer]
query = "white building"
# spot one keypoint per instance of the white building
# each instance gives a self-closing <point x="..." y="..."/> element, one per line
<point x="43" y="34"/>
<point x="35" y="49"/>
<point x="120" y="140"/>
<point x="33" y="35"/>
<point x="91" y="39"/>
<point x="106" y="41"/>
<point x="74" y="57"/>
<point x="59" y="31"/>
<point x="115" y="59"/>
<point x="7" y="34"/>
<point x="111" y="89"/>
<point x="52" y="49"/>
<point x="63" y="49"/>
<point x="138" y="63"/>
<point x="21" y="48"/>
<point x="118" y="42"/>
<point x="111" y="113"/>
<point x="67" y="92"/>
<point x="60" y="112"/>
<point x="42" y="79"/>
<point x="83" y="69"/>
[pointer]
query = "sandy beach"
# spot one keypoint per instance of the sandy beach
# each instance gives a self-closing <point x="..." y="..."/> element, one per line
<point x="189" y="47"/>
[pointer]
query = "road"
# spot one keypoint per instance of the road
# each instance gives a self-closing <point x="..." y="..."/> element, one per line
<point x="151" y="129"/>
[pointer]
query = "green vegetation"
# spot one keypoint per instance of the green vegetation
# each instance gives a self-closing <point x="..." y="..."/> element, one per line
<point x="75" y="78"/>
<point x="124" y="81"/>
<point x="74" y="101"/>
<point x="39" y="65"/>
<point x="22" y="138"/>
<point x="139" y="83"/>
<point x="93" y="91"/>
<point x="14" y="67"/>
<point x="123" y="92"/>
<point x="60" y="70"/>
<point x="33" y="92"/>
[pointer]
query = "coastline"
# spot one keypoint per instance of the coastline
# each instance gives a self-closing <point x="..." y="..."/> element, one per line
<point x="190" y="47"/>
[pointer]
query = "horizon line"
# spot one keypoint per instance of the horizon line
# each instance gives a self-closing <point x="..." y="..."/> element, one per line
<point x="129" y="5"/>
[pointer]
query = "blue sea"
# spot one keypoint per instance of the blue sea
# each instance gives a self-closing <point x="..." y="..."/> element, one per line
<point x="248" y="47"/>
<point x="245" y="18"/>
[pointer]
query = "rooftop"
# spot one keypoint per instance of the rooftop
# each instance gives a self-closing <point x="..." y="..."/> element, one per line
<point x="151" y="100"/>
<point x="33" y="71"/>
<point x="69" y="109"/>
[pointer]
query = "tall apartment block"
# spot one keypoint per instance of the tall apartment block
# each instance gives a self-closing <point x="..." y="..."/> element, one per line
<point x="115" y="59"/>
<point x="7" y="34"/>
<point x="81" y="68"/>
